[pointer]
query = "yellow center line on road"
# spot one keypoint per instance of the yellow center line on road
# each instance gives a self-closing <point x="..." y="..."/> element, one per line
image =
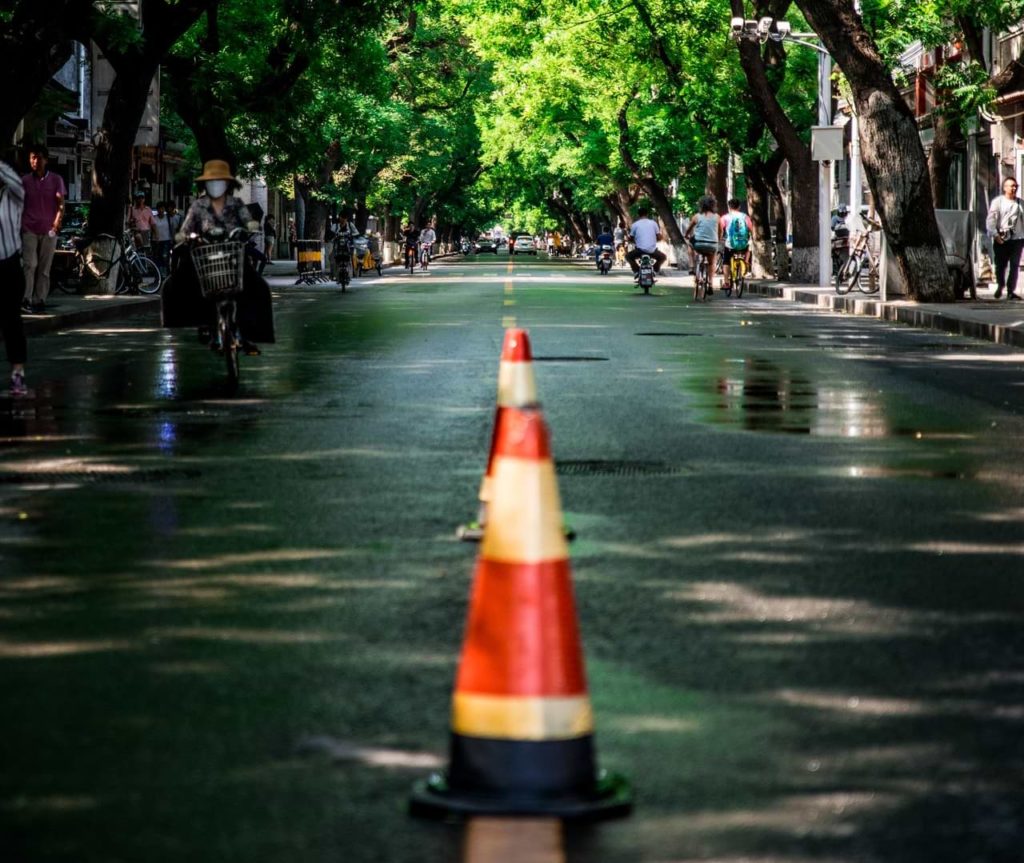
<point x="513" y="840"/>
<point x="509" y="321"/>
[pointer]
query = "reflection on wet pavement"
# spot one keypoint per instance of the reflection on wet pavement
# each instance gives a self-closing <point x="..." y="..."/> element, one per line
<point x="759" y="395"/>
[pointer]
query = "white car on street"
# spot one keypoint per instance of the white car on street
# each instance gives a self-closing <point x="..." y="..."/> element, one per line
<point x="524" y="246"/>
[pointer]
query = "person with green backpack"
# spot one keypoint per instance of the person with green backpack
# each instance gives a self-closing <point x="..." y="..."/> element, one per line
<point x="737" y="230"/>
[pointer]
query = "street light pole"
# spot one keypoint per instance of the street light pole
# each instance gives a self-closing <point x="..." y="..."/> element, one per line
<point x="779" y="31"/>
<point x="824" y="196"/>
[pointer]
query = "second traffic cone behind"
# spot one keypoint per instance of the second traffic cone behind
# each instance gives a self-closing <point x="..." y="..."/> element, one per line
<point x="522" y="724"/>
<point x="517" y="388"/>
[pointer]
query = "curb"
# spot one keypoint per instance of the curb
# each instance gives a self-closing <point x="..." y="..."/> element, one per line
<point x="901" y="311"/>
<point x="104" y="310"/>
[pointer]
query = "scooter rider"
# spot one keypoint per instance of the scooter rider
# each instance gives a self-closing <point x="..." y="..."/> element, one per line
<point x="605" y="238"/>
<point x="182" y="304"/>
<point x="645" y="233"/>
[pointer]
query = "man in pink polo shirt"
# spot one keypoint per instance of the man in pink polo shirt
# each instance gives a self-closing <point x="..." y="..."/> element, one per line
<point x="40" y="221"/>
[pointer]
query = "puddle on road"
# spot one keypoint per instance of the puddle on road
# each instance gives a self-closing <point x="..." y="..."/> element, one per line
<point x="759" y="395"/>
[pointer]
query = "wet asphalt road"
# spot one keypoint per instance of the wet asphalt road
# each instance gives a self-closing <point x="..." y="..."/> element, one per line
<point x="230" y="623"/>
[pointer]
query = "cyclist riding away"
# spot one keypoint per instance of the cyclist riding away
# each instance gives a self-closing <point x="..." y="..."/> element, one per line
<point x="619" y="235"/>
<point x="736" y="230"/>
<point x="706" y="232"/>
<point x="645" y="234"/>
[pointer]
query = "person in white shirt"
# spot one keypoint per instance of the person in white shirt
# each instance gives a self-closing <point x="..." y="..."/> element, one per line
<point x="1005" y="224"/>
<point x="428" y="236"/>
<point x="645" y="233"/>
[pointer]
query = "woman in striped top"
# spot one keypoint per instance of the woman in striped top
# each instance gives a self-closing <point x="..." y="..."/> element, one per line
<point x="12" y="279"/>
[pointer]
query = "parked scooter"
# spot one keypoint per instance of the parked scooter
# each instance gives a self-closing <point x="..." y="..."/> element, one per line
<point x="604" y="260"/>
<point x="366" y="256"/>
<point x="840" y="239"/>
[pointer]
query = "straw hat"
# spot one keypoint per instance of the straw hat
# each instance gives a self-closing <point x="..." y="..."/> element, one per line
<point x="216" y="169"/>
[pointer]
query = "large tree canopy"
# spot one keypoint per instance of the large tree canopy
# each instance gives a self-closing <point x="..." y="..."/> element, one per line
<point x="541" y="114"/>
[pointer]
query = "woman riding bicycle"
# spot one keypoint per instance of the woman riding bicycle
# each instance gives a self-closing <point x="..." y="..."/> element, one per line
<point x="412" y="241"/>
<point x="216" y="211"/>
<point x="705" y="231"/>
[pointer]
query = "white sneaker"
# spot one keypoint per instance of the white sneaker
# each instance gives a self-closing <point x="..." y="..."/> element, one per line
<point x="18" y="387"/>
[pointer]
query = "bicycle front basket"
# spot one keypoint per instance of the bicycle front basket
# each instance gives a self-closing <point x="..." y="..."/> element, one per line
<point x="219" y="267"/>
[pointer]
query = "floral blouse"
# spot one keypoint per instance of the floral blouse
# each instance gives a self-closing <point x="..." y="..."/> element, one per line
<point x="201" y="218"/>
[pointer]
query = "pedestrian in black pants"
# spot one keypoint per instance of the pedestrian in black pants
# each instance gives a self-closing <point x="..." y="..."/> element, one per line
<point x="12" y="277"/>
<point x="1005" y="224"/>
<point x="1007" y="255"/>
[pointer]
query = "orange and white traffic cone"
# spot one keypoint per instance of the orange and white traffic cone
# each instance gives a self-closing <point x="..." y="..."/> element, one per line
<point x="516" y="389"/>
<point x="522" y="724"/>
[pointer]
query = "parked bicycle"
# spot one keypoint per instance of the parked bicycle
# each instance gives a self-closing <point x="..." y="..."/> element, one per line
<point x="136" y="274"/>
<point x="862" y="257"/>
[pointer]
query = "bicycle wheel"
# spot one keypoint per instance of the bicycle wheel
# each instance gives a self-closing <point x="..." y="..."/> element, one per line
<point x="868" y="284"/>
<point x="728" y="283"/>
<point x="123" y="284"/>
<point x="739" y="278"/>
<point x="848" y="275"/>
<point x="229" y="344"/>
<point x="147" y="275"/>
<point x="410" y="261"/>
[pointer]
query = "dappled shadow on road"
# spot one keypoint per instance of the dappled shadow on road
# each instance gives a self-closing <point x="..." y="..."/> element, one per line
<point x="839" y="691"/>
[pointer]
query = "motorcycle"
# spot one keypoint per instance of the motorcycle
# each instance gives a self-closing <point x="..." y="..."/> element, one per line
<point x="343" y="260"/>
<point x="645" y="274"/>
<point x="604" y="260"/>
<point x="465" y="247"/>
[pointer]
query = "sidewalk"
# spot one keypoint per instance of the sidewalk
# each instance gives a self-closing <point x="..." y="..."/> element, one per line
<point x="1000" y="321"/>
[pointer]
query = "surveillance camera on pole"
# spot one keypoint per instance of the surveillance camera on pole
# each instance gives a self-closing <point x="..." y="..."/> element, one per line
<point x="764" y="27"/>
<point x="781" y="30"/>
<point x="736" y="29"/>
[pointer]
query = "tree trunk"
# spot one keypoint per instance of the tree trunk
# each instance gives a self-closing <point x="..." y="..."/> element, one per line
<point x="941" y="157"/>
<point x="762" y="195"/>
<point x="135" y="66"/>
<point x="893" y="156"/>
<point x="111" y="169"/>
<point x="34" y="44"/>
<point x="718" y="183"/>
<point x="652" y="188"/>
<point x="804" y="172"/>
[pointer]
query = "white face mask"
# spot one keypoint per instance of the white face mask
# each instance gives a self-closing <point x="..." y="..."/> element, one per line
<point x="216" y="188"/>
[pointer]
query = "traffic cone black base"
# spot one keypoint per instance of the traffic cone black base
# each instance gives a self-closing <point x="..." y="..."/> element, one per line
<point x="604" y="796"/>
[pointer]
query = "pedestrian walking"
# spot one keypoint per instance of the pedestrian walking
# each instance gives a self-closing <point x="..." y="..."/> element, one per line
<point x="174" y="217"/>
<point x="163" y="233"/>
<point x="142" y="222"/>
<point x="12" y="278"/>
<point x="1005" y="225"/>
<point x="269" y="237"/>
<point x="43" y="211"/>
